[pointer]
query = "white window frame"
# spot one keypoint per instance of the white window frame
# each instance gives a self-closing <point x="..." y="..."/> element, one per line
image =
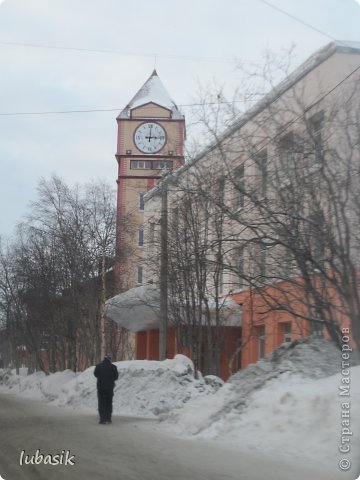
<point x="287" y="335"/>
<point x="140" y="164"/>
<point x="161" y="164"/>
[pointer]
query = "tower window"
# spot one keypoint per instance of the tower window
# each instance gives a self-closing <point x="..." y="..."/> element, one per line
<point x="161" y="164"/>
<point x="141" y="200"/>
<point x="140" y="164"/>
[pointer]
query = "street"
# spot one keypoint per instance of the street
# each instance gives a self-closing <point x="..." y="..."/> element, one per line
<point x="129" y="449"/>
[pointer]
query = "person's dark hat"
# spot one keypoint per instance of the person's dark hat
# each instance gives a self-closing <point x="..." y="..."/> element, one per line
<point x="107" y="357"/>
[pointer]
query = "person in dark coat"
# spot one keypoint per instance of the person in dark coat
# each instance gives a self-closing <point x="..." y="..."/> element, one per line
<point x="106" y="374"/>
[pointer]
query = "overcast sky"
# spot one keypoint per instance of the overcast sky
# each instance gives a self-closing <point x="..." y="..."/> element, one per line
<point x="194" y="42"/>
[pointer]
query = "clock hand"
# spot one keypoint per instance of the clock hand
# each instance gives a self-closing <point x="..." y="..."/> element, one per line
<point x="150" y="137"/>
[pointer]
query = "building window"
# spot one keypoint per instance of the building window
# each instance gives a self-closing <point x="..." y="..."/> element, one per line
<point x="317" y="125"/>
<point x="262" y="173"/>
<point x="240" y="267"/>
<point x="139" y="274"/>
<point x="288" y="263"/>
<point x="175" y="217"/>
<point x="221" y="280"/>
<point x="185" y="336"/>
<point x="261" y="341"/>
<point x="239" y="187"/>
<point x="140" y="237"/>
<point x="141" y="200"/>
<point x="317" y="233"/>
<point x="262" y="261"/>
<point x="286" y="327"/>
<point x="151" y="164"/>
<point x="287" y="158"/>
<point x="152" y="233"/>
<point x="140" y="164"/>
<point x="221" y="190"/>
<point x="161" y="164"/>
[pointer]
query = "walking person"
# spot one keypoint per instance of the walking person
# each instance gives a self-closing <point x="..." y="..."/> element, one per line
<point x="106" y="374"/>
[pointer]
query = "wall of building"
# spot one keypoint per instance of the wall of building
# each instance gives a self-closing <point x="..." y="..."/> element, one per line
<point x="317" y="86"/>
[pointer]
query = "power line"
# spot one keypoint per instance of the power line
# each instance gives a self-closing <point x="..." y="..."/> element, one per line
<point x="58" y="112"/>
<point x="122" y="52"/>
<point x="299" y="20"/>
<point x="169" y="56"/>
<point x="94" y="110"/>
<point x="144" y="54"/>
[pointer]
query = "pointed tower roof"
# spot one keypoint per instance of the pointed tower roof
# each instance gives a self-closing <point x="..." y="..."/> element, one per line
<point x="152" y="91"/>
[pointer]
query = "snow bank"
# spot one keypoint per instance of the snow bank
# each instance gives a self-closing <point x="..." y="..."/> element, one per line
<point x="145" y="388"/>
<point x="299" y="417"/>
<point x="312" y="357"/>
<point x="285" y="405"/>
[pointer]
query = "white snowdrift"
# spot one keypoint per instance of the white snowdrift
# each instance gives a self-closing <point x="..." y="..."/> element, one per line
<point x="144" y="389"/>
<point x="283" y="406"/>
<point x="290" y="415"/>
<point x="287" y="406"/>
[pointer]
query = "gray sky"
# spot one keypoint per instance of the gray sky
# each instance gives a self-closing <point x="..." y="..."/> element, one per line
<point x="193" y="40"/>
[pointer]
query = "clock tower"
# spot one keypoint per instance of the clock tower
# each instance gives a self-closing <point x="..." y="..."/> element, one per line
<point x="151" y="135"/>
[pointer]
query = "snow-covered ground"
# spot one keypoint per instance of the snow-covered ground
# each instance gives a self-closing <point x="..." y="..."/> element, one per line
<point x="287" y="406"/>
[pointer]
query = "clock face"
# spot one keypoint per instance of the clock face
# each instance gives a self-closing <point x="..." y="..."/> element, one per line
<point x="150" y="137"/>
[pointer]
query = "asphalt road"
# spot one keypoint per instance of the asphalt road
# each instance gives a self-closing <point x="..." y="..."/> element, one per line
<point x="129" y="449"/>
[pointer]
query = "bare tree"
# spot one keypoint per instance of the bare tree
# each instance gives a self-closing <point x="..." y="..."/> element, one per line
<point x="59" y="273"/>
<point x="291" y="199"/>
<point x="100" y="202"/>
<point x="195" y="250"/>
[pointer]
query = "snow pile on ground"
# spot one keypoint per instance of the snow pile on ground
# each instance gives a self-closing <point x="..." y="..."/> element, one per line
<point x="286" y="404"/>
<point x="311" y="357"/>
<point x="145" y="388"/>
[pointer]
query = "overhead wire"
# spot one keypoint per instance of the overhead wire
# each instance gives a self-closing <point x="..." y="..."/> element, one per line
<point x="299" y="20"/>
<point x="197" y="58"/>
<point x="147" y="54"/>
<point x="94" y="110"/>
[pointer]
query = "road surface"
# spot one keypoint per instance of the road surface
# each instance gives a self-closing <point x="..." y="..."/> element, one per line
<point x="129" y="449"/>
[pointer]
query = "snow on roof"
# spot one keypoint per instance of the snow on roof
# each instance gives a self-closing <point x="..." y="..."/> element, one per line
<point x="138" y="309"/>
<point x="347" y="46"/>
<point x="153" y="91"/>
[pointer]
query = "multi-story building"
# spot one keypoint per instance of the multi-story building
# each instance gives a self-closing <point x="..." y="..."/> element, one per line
<point x="269" y="216"/>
